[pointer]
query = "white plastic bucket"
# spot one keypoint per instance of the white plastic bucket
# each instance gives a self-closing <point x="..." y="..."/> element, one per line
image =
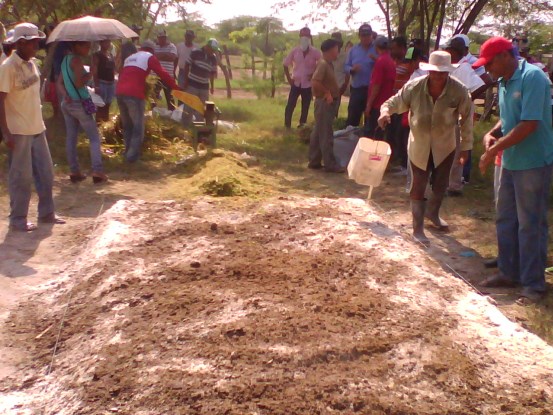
<point x="369" y="161"/>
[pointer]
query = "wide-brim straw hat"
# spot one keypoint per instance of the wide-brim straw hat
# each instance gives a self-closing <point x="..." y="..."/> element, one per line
<point x="439" y="61"/>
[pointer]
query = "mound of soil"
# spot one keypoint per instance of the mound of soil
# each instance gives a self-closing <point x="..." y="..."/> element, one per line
<point x="300" y="306"/>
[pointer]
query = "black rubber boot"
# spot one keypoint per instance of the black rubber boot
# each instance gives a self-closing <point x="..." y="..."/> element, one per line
<point x="433" y="212"/>
<point x="417" y="209"/>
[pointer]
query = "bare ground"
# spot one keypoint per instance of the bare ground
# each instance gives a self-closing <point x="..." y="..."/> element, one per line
<point x="289" y="306"/>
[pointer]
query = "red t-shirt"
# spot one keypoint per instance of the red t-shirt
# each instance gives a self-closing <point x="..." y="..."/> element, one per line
<point x="132" y="78"/>
<point x="384" y="74"/>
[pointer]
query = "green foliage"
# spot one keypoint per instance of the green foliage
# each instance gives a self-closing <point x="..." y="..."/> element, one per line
<point x="223" y="187"/>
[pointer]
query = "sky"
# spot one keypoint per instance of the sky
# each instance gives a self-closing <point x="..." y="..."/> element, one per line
<point x="293" y="18"/>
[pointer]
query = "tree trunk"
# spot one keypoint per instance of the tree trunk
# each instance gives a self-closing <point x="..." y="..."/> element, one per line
<point x="154" y="20"/>
<point x="253" y="63"/>
<point x="440" y="25"/>
<point x="464" y="27"/>
<point x="227" y="58"/>
<point x="227" y="79"/>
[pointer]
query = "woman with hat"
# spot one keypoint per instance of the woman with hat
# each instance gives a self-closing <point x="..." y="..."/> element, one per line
<point x="434" y="102"/>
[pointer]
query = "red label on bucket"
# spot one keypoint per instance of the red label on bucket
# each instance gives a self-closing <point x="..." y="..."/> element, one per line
<point x="375" y="158"/>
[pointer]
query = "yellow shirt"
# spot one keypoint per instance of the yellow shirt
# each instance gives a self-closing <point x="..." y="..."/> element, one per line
<point x="20" y="80"/>
<point x="433" y="124"/>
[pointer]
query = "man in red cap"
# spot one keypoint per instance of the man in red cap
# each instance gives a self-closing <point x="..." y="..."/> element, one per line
<point x="525" y="136"/>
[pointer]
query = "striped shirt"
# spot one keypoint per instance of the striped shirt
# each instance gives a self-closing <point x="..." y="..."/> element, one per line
<point x="169" y="66"/>
<point x="202" y="66"/>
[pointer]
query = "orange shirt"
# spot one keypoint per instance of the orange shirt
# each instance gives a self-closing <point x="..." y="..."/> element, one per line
<point x="403" y="73"/>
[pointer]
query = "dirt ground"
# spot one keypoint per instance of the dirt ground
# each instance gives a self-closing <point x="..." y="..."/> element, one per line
<point x="293" y="305"/>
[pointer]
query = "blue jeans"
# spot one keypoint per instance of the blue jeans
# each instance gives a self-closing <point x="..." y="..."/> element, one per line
<point x="132" y="118"/>
<point x="30" y="160"/>
<point x="107" y="91"/>
<point x="306" y="97"/>
<point x="76" y="117"/>
<point x="521" y="223"/>
<point x="357" y="105"/>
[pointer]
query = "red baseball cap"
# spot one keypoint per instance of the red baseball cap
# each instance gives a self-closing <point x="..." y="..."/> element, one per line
<point x="490" y="48"/>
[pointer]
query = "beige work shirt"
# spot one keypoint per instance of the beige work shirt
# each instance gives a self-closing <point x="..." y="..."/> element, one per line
<point x="20" y="80"/>
<point x="433" y="124"/>
<point x="324" y="73"/>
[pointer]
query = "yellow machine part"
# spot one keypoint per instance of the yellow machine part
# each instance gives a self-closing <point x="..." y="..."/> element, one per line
<point x="191" y="100"/>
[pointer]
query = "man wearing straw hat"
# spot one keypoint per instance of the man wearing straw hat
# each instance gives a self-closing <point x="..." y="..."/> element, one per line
<point x="434" y="102"/>
<point x="24" y="131"/>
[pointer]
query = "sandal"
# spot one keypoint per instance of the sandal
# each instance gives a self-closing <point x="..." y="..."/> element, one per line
<point x="28" y="227"/>
<point x="77" y="177"/>
<point x="98" y="178"/>
<point x="498" y="281"/>
<point x="529" y="297"/>
<point x="52" y="219"/>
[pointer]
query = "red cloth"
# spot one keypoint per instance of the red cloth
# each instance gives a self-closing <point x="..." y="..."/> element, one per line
<point x="384" y="74"/>
<point x="498" y="159"/>
<point x="132" y="78"/>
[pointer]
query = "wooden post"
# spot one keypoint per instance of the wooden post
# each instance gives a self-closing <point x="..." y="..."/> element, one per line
<point x="227" y="79"/>
<point x="227" y="58"/>
<point x="253" y="61"/>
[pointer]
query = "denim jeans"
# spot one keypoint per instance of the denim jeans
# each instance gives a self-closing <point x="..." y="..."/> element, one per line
<point x="30" y="160"/>
<point x="357" y="105"/>
<point x="76" y="117"/>
<point x="132" y="118"/>
<point x="107" y="91"/>
<point x="306" y="97"/>
<point x="521" y="224"/>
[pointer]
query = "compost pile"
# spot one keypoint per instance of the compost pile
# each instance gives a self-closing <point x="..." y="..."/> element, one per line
<point x="297" y="306"/>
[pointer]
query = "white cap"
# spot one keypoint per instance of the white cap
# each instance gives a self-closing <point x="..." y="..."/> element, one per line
<point x="464" y="37"/>
<point x="27" y="31"/>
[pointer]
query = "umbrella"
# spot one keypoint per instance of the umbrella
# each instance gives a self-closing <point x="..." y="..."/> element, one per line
<point x="90" y="29"/>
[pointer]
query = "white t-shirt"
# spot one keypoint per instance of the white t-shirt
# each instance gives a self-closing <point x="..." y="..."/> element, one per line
<point x="467" y="76"/>
<point x="470" y="58"/>
<point x="167" y="65"/>
<point x="183" y="52"/>
<point x="418" y="73"/>
<point x="20" y="80"/>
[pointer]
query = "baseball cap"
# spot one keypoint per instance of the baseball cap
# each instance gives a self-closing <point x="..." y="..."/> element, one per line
<point x="491" y="48"/>
<point x="26" y="31"/>
<point x="465" y="38"/>
<point x="213" y="44"/>
<point x="381" y="42"/>
<point x="148" y="44"/>
<point x="189" y="33"/>
<point x="161" y="33"/>
<point x="329" y="44"/>
<point x="365" y="29"/>
<point x="456" y="43"/>
<point x="136" y="28"/>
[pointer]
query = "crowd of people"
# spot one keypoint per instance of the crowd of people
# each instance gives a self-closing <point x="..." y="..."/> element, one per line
<point x="423" y="106"/>
<point x="70" y="86"/>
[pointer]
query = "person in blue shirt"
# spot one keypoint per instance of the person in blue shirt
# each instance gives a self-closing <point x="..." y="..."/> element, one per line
<point x="525" y="135"/>
<point x="359" y="65"/>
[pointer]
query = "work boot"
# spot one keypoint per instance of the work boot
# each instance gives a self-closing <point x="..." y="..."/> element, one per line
<point x="433" y="212"/>
<point x="417" y="210"/>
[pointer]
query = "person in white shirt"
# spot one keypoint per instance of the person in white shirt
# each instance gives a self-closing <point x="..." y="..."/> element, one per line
<point x="184" y="49"/>
<point x="166" y="53"/>
<point x="476" y="86"/>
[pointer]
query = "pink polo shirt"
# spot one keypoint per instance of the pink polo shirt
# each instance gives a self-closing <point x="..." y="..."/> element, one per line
<point x="303" y="66"/>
